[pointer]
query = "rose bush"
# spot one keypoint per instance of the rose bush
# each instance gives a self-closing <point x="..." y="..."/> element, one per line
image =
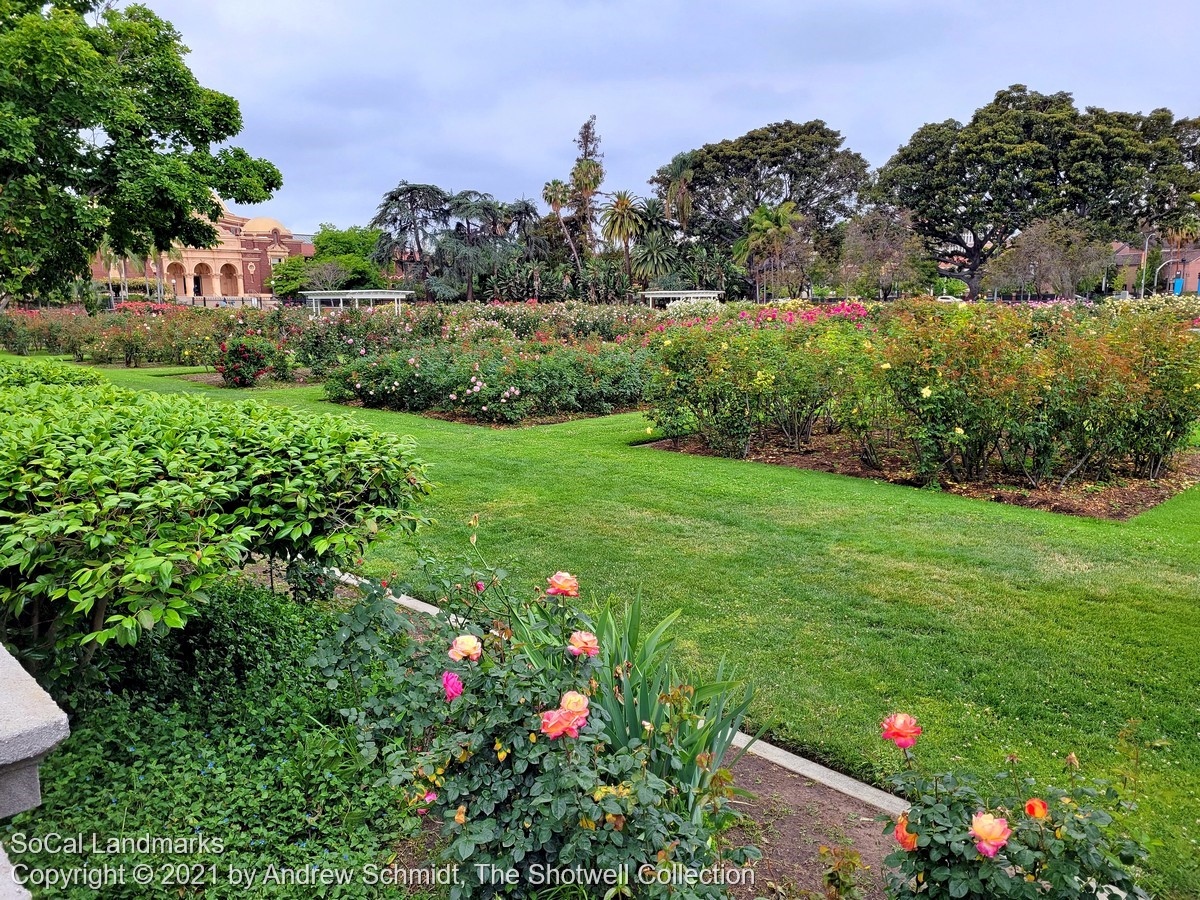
<point x="515" y="733"/>
<point x="960" y="838"/>
<point x="966" y="392"/>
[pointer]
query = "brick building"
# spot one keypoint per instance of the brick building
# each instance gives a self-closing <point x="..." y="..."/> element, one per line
<point x="238" y="265"/>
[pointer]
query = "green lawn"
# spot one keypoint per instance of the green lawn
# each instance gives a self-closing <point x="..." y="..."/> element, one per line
<point x="1005" y="630"/>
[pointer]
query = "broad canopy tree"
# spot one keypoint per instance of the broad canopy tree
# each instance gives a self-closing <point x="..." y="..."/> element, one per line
<point x="106" y="134"/>
<point x="1028" y="156"/>
<point x="804" y="164"/>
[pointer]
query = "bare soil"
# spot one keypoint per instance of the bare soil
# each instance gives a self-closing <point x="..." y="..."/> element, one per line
<point x="792" y="818"/>
<point x="1118" y="499"/>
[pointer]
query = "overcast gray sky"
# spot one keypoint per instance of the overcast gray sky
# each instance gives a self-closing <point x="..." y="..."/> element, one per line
<point x="348" y="97"/>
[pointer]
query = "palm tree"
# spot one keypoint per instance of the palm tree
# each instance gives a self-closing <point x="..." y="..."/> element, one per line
<point x="654" y="256"/>
<point x="524" y="219"/>
<point x="557" y="195"/>
<point x="586" y="177"/>
<point x="680" y="172"/>
<point x="654" y="214"/>
<point x="768" y="232"/>
<point x="621" y="220"/>
<point x="463" y="247"/>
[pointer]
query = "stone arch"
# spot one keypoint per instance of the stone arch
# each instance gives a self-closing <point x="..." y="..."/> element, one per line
<point x="202" y="280"/>
<point x="177" y="278"/>
<point x="229" y="280"/>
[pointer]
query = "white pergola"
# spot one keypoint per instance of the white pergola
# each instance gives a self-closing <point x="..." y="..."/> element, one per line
<point x="318" y="300"/>
<point x="654" y="297"/>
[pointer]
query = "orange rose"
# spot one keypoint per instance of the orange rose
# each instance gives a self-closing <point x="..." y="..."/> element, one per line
<point x="903" y="836"/>
<point x="990" y="833"/>
<point x="1037" y="808"/>
<point x="557" y="722"/>
<point x="902" y="729"/>
<point x="466" y="646"/>
<point x="564" y="584"/>
<point x="571" y="715"/>
<point x="583" y="643"/>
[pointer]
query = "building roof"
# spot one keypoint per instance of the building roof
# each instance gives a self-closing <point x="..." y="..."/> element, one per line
<point x="264" y="225"/>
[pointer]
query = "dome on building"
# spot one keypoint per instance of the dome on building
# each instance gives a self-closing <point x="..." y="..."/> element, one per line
<point x="264" y="225"/>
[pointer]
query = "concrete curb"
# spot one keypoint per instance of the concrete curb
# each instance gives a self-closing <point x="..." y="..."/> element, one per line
<point x="790" y="762"/>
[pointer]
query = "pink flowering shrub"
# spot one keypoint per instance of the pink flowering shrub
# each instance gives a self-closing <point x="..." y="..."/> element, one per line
<point x="524" y="751"/>
<point x="961" y="838"/>
<point x="496" y="381"/>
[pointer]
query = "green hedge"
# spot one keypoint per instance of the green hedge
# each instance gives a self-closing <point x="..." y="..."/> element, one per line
<point x="15" y="373"/>
<point x="222" y="731"/>
<point x="117" y="509"/>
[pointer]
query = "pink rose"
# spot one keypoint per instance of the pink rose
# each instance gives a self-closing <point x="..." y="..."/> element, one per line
<point x="583" y="643"/>
<point x="452" y="685"/>
<point x="902" y="729"/>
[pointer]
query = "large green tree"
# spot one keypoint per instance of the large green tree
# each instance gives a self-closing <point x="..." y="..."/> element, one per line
<point x="1028" y="156"/>
<point x="104" y="131"/>
<point x="804" y="164"/>
<point x="409" y="216"/>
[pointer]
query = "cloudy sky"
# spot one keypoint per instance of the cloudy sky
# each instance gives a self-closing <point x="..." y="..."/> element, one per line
<point x="348" y="97"/>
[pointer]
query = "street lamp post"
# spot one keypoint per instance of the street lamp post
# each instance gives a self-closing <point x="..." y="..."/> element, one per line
<point x="1145" y="260"/>
<point x="1156" y="271"/>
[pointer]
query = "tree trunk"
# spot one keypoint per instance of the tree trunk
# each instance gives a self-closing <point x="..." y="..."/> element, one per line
<point x="571" y="244"/>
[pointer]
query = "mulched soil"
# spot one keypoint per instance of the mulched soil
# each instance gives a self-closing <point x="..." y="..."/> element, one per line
<point x="1119" y="499"/>
<point x="793" y="818"/>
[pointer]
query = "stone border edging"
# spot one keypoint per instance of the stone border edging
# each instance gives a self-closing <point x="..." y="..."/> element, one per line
<point x="790" y="762"/>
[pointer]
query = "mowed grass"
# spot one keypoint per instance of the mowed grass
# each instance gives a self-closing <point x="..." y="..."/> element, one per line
<point x="1004" y="630"/>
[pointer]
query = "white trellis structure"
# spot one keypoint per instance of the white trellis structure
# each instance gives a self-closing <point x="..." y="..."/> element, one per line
<point x="318" y="301"/>
<point x="655" y="298"/>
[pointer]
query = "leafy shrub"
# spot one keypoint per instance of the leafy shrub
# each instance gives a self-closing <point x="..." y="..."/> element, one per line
<point x="961" y="840"/>
<point x="498" y="382"/>
<point x="119" y="508"/>
<point x="244" y="359"/>
<point x="968" y="391"/>
<point x="21" y="374"/>
<point x="519" y="758"/>
<point x="220" y="731"/>
<point x="693" y="309"/>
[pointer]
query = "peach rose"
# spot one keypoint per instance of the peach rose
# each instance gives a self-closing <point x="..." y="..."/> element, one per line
<point x="1037" y="808"/>
<point x="990" y="833"/>
<point x="902" y="729"/>
<point x="583" y="643"/>
<point x="571" y="715"/>
<point x="903" y="836"/>
<point x="557" y="722"/>
<point x="575" y="702"/>
<point x="466" y="646"/>
<point x="564" y="584"/>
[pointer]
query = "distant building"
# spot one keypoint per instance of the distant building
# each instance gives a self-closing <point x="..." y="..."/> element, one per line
<point x="1182" y="266"/>
<point x="239" y="265"/>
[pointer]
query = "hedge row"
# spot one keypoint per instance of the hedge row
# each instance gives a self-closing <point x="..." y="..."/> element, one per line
<point x="118" y="508"/>
<point x="968" y="391"/>
<point x="20" y="373"/>
<point x="497" y="382"/>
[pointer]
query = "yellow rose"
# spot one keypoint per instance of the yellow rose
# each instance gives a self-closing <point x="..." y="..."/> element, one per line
<point x="927" y="392"/>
